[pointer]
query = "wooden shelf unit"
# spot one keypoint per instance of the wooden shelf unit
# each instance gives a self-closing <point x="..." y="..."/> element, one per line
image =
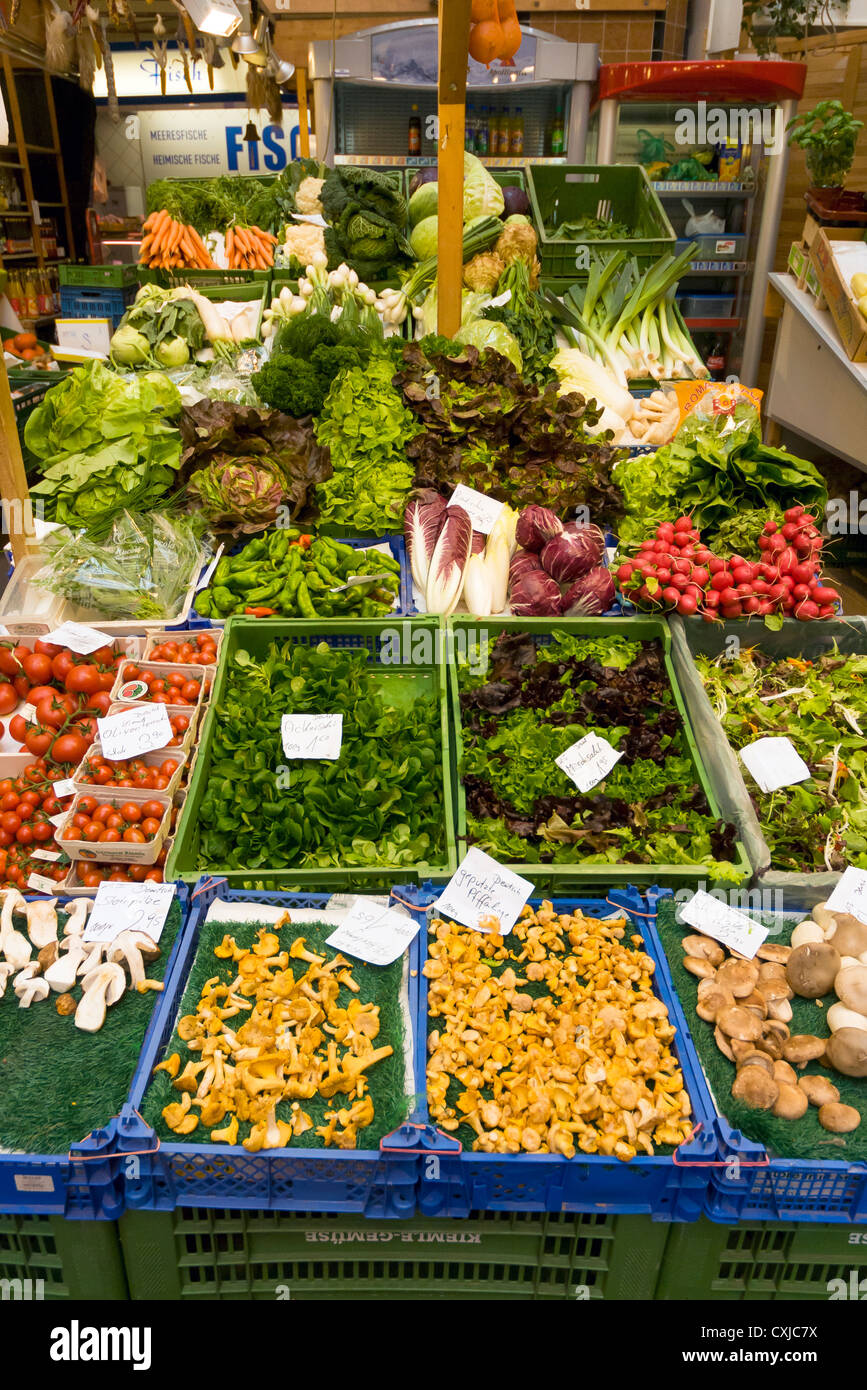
<point x="24" y="150"/>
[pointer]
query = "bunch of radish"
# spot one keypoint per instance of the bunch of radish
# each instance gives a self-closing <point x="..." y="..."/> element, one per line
<point x="673" y="570"/>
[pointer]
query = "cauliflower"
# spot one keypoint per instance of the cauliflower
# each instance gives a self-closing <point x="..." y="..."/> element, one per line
<point x="307" y="197"/>
<point x="302" y="240"/>
<point x="483" y="271"/>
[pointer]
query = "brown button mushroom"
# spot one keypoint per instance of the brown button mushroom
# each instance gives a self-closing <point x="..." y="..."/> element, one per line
<point x="740" y="976"/>
<point x="847" y="1051"/>
<point x="712" y="999"/>
<point x="839" y="1119"/>
<point x="851" y="988"/>
<point x="812" y="969"/>
<point x="849" y="936"/>
<point x="783" y="1073"/>
<point x="756" y="1059"/>
<point x="756" y="1003"/>
<point x="697" y="965"/>
<point x="769" y="950"/>
<point x="771" y="970"/>
<point x="755" y="1088"/>
<point x="739" y="1023"/>
<point x="791" y="1103"/>
<point x="704" y="948"/>
<point x="723" y="1043"/>
<point x="802" y="1048"/>
<point x="774" y="988"/>
<point x="818" y="1090"/>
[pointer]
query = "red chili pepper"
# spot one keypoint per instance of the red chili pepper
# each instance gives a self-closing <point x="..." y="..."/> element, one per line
<point x="261" y="612"/>
<point x="306" y="542"/>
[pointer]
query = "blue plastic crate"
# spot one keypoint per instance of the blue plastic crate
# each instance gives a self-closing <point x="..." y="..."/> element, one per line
<point x="379" y="1184"/>
<point x="666" y="1188"/>
<point x="395" y="544"/>
<point x="86" y="1184"/>
<point x="98" y="303"/>
<point x="761" y="1188"/>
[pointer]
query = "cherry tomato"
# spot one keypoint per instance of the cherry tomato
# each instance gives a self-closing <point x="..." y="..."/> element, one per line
<point x="61" y="665"/>
<point x="8" y="697"/>
<point x="43" y="831"/>
<point x="137" y="872"/>
<point x="9" y="665"/>
<point x="154" y="876"/>
<point x="69" y="748"/>
<point x="38" y="741"/>
<point x="114" y="820"/>
<point x="134" y="836"/>
<point x="102" y="813"/>
<point x="80" y="819"/>
<point x="10" y="821"/>
<point x="21" y="686"/>
<point x="153" y="808"/>
<point x="110" y="836"/>
<point x="37" y="668"/>
<point x="131" y="812"/>
<point x="92" y="830"/>
<point x="24" y="835"/>
<point x="8" y="802"/>
<point x="150" y="826"/>
<point x="43" y="692"/>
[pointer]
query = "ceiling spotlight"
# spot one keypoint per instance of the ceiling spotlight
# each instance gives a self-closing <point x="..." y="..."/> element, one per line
<point x="281" y="70"/>
<point x="218" y="17"/>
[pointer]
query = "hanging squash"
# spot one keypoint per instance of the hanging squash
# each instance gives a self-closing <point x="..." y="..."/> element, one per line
<point x="508" y="20"/>
<point x="486" y="41"/>
<point x="483" y="11"/>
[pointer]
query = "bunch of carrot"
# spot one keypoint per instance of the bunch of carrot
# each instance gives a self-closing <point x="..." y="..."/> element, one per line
<point x="169" y="244"/>
<point x="249" y="248"/>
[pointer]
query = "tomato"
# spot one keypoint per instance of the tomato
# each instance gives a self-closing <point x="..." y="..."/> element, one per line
<point x="21" y="686"/>
<point x="24" y="835"/>
<point x="51" y="805"/>
<point x="161" y="699"/>
<point x="87" y="727"/>
<point x="84" y="680"/>
<point x="102" y="813"/>
<point x="169" y="767"/>
<point x="134" y="836"/>
<point x="153" y="808"/>
<point x="181" y="723"/>
<point x="51" y="715"/>
<point x="87" y="804"/>
<point x="109" y="836"/>
<point x="160" y="783"/>
<point x="114" y="820"/>
<point x="37" y="668"/>
<point x="107" y="680"/>
<point x="71" y="834"/>
<point x="131" y="672"/>
<point x="154" y="876"/>
<point x="8" y="697"/>
<point x="9" y="665"/>
<point x="42" y="831"/>
<point x="35" y="798"/>
<point x="103" y="656"/>
<point x="92" y="830"/>
<point x="43" y="692"/>
<point x="69" y="748"/>
<point x="8" y="801"/>
<point x="92" y="878"/>
<point x="47" y="648"/>
<point x="137" y="872"/>
<point x="6" y="786"/>
<point x="25" y="810"/>
<point x="80" y="819"/>
<point x="100" y="703"/>
<point x="190" y="691"/>
<point x="102" y="776"/>
<point x="38" y="741"/>
<point x="61" y="665"/>
<point x="150" y="826"/>
<point x="9" y="821"/>
<point x="131" y="812"/>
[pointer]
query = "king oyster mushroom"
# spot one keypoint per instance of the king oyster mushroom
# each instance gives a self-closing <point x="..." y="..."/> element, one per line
<point x="13" y="944"/>
<point x="42" y="922"/>
<point x="62" y="973"/>
<point x="101" y="987"/>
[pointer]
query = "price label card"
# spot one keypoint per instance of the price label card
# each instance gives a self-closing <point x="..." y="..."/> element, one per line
<point x="134" y="731"/>
<point x="64" y="787"/>
<point x="726" y="924"/>
<point x="121" y="907"/>
<point x="40" y="884"/>
<point x="483" y="511"/>
<point x="78" y="638"/>
<point x="482" y="892"/>
<point x="312" y="735"/>
<point x="850" y="895"/>
<point x="52" y="855"/>
<point x="774" y="763"/>
<point x="588" y="761"/>
<point x="374" y="933"/>
<point x="28" y="712"/>
<point x="59" y="818"/>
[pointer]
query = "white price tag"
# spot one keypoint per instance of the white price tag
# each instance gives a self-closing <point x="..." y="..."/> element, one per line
<point x="850" y="895"/>
<point x="481" y="891"/>
<point x="33" y="1182"/>
<point x="374" y="933"/>
<point x="726" y="924"/>
<point x="59" y="818"/>
<point x="28" y="712"/>
<point x="78" y="637"/>
<point x="483" y="511"/>
<point x="588" y="761"/>
<point x="134" y="731"/>
<point x="774" y="763"/>
<point x="312" y="735"/>
<point x="205" y="577"/>
<point x="129" y="907"/>
<point x="64" y="787"/>
<point x="52" y="855"/>
<point x="40" y="884"/>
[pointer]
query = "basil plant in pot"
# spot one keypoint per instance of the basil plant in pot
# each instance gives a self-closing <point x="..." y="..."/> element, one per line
<point x="827" y="135"/>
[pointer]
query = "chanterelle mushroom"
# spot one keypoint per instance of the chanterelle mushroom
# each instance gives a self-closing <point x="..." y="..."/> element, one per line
<point x="42" y="922"/>
<point x="29" y="986"/>
<point x="101" y="987"/>
<point x="13" y="944"/>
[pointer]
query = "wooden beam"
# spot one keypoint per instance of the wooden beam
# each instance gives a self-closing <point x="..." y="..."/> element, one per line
<point x="454" y="33"/>
<point x="840" y="38"/>
<point x="14" y="492"/>
<point x="849" y="93"/>
<point x="303" y="118"/>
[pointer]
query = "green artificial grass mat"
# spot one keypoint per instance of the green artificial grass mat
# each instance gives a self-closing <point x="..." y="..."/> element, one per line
<point x="804" y="1138"/>
<point x="377" y="985"/>
<point x="57" y="1084"/>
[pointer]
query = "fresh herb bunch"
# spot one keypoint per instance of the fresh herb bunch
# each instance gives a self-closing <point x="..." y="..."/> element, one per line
<point x="530" y="706"/>
<point x="526" y="318"/>
<point x="821" y="706"/>
<point x="506" y="437"/>
<point x="379" y="803"/>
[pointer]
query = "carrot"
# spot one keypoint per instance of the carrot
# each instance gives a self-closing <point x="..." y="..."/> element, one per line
<point x="230" y="243"/>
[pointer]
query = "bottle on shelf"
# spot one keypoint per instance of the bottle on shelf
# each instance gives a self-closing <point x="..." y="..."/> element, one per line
<point x="503" y="129"/>
<point x="414" y="138"/>
<point x="716" y="359"/>
<point x="30" y="307"/>
<point x="470" y="130"/>
<point x="14" y="295"/>
<point x="482" y="146"/>
<point x="516" y="132"/>
<point x="558" y="132"/>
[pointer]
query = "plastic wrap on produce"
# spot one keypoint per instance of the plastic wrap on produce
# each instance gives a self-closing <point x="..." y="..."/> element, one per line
<point x="809" y="640"/>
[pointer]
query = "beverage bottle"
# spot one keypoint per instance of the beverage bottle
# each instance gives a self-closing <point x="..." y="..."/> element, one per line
<point x="716" y="360"/>
<point x="13" y="294"/>
<point x="414" y="142"/>
<point x="31" y="296"/>
<point x="470" y="130"/>
<point x="503" y="133"/>
<point x="516" y="133"/>
<point x="482" y="147"/>
<point x="558" y="133"/>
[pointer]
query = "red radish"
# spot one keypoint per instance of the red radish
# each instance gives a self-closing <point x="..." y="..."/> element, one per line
<point x="792" y="514"/>
<point x="826" y="611"/>
<point x="665" y="532"/>
<point x="760" y="586"/>
<point x="729" y="596"/>
<point x="778" y="544"/>
<point x="686" y="604"/>
<point x="790" y="530"/>
<point x="765" y="607"/>
<point x="711" y="599"/>
<point x="764" y="542"/>
<point x="769" y="528"/>
<point x="683" y="523"/>
<point x="671" y="595"/>
<point x="732" y="610"/>
<point x="807" y="610"/>
<point x="701" y="575"/>
<point x="688" y="551"/>
<point x="803" y="574"/>
<point x="800" y="591"/>
<point x="741" y="574"/>
<point x="716" y="565"/>
<point x="752" y="605"/>
<point x="679" y="581"/>
<point x="709" y="617"/>
<point x="786" y="561"/>
<point x="664" y="576"/>
<point x="702" y="554"/>
<point x="745" y="590"/>
<point x="721" y="580"/>
<point x="822" y="595"/>
<point x="624" y="573"/>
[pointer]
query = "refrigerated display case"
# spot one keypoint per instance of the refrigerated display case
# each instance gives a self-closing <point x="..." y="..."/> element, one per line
<point x="366" y="87"/>
<point x="670" y="117"/>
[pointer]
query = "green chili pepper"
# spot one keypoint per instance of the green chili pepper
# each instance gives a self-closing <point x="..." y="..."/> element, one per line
<point x="223" y="598"/>
<point x="203" y="604"/>
<point x="305" y="604"/>
<point x="278" y="546"/>
<point x="223" y="570"/>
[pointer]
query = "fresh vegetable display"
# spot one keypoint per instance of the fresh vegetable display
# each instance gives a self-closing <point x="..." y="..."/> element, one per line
<point x="366" y="213"/>
<point x="531" y="704"/>
<point x="716" y="469"/>
<point x="243" y="464"/>
<point x="90" y="873"/>
<point x="200" y="648"/>
<point x="337" y="294"/>
<point x="480" y="424"/>
<point x="162" y="687"/>
<point x="821" y="706"/>
<point x="674" y="570"/>
<point x="166" y="328"/>
<point x="609" y="1085"/>
<point x="248" y="247"/>
<point x="27" y="803"/>
<point x="558" y="569"/>
<point x="104" y="444"/>
<point x="293" y="574"/>
<point x="379" y="804"/>
<point x="167" y="243"/>
<point x="110" y="822"/>
<point x="101" y="772"/>
<point x="66" y="694"/>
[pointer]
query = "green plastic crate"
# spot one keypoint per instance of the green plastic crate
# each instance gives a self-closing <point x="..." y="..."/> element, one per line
<point x="61" y="1259"/>
<point x="204" y="1254"/>
<point x="580" y="190"/>
<point x="98" y="276"/>
<point x="403" y="681"/>
<point x="766" y="1261"/>
<point x="561" y="877"/>
<point x="201" y="279"/>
